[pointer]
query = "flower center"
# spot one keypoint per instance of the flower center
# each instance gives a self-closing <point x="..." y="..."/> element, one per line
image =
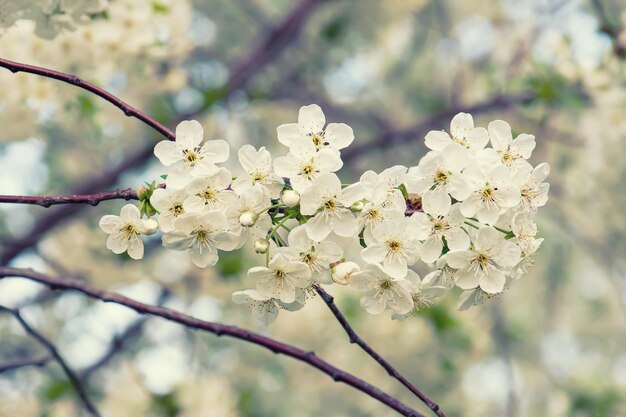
<point x="191" y="156"/>
<point x="177" y="209"/>
<point x="330" y="205"/>
<point x="482" y="260"/>
<point x="318" y="139"/>
<point x="202" y="236"/>
<point x="280" y="274"/>
<point x="386" y="284"/>
<point x="309" y="258"/>
<point x="394" y="245"/>
<point x="441" y="177"/>
<point x="129" y="231"/>
<point x="307" y="171"/>
<point x="209" y="194"/>
<point x="257" y="176"/>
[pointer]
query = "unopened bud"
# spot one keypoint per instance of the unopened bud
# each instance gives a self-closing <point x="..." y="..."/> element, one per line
<point x="247" y="218"/>
<point x="261" y="245"/>
<point x="150" y="226"/>
<point x="143" y="192"/>
<point x="358" y="206"/>
<point x="342" y="272"/>
<point x="291" y="198"/>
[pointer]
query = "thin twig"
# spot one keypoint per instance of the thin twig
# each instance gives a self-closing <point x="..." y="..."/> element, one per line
<point x="356" y="339"/>
<point x="78" y="386"/>
<point x="23" y="363"/>
<point x="218" y="329"/>
<point x="128" y="110"/>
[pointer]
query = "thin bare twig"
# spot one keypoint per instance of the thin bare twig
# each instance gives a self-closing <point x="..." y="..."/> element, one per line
<point x="24" y="363"/>
<point x="128" y="110"/>
<point x="78" y="386"/>
<point x="218" y="329"/>
<point x="356" y="339"/>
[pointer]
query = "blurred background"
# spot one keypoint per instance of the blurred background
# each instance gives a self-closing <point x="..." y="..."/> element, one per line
<point x="553" y="345"/>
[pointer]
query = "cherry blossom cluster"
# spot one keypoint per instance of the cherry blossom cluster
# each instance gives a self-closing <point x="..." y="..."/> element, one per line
<point x="464" y="214"/>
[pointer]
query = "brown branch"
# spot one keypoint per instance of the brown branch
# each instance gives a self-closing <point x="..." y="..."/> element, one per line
<point x="613" y="32"/>
<point x="270" y="49"/>
<point x="92" y="199"/>
<point x="356" y="339"/>
<point x="417" y="131"/>
<point x="23" y="363"/>
<point x="78" y="386"/>
<point x="128" y="110"/>
<point x="218" y="329"/>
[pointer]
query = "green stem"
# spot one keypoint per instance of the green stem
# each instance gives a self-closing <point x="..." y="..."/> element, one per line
<point x="471" y="224"/>
<point x="499" y="229"/>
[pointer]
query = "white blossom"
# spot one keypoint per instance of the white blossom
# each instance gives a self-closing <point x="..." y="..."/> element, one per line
<point x="310" y="128"/>
<point x="433" y="227"/>
<point x="533" y="191"/>
<point x="492" y="191"/>
<point x="258" y="171"/>
<point x="329" y="205"/>
<point x="124" y="231"/>
<point x="463" y="132"/>
<point x="506" y="151"/>
<point x="303" y="164"/>
<point x="210" y="192"/>
<point x="318" y="256"/>
<point x="186" y="158"/>
<point x="382" y="290"/>
<point x="202" y="234"/>
<point x="281" y="278"/>
<point x="394" y="245"/>
<point x="484" y="264"/>
<point x="171" y="204"/>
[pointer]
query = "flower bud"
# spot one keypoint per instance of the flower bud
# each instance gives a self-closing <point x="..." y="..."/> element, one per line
<point x="358" y="206"/>
<point x="150" y="226"/>
<point x="247" y="218"/>
<point x="291" y="198"/>
<point x="143" y="192"/>
<point x="342" y="272"/>
<point x="261" y="245"/>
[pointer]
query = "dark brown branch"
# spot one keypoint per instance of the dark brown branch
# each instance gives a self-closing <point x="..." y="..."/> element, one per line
<point x="23" y="363"/>
<point x="218" y="329"/>
<point x="437" y="121"/>
<point x="78" y="386"/>
<point x="356" y="339"/>
<point x="91" y="199"/>
<point x="613" y="32"/>
<point x="128" y="110"/>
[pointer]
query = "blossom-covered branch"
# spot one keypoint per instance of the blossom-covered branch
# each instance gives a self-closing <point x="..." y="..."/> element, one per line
<point x="91" y="199"/>
<point x="128" y="110"/>
<point x="74" y="380"/>
<point x="218" y="329"/>
<point x="356" y="339"/>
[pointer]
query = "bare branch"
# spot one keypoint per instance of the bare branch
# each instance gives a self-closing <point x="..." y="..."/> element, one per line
<point x="91" y="199"/>
<point x="128" y="110"/>
<point x="218" y="329"/>
<point x="23" y="363"/>
<point x="78" y="386"/>
<point x="356" y="339"/>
